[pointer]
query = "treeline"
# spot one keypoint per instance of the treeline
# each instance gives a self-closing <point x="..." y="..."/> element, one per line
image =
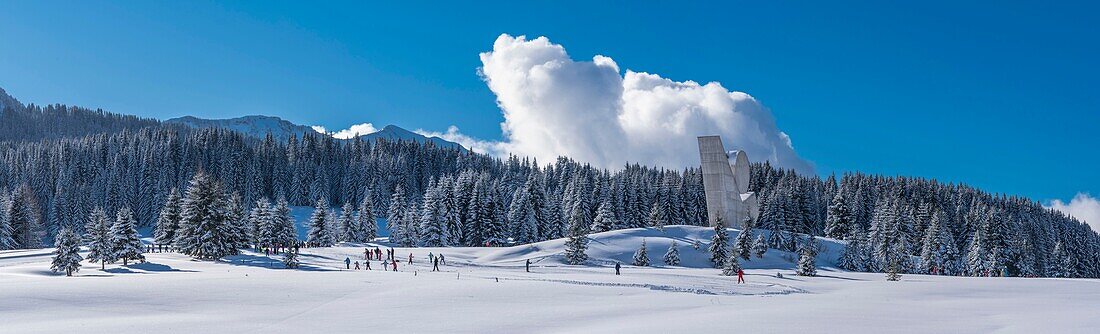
<point x="33" y="122"/>
<point x="450" y="197"/>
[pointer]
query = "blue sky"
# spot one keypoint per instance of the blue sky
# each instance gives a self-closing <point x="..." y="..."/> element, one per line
<point x="1001" y="97"/>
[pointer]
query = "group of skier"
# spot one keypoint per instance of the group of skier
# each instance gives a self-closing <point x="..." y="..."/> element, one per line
<point x="389" y="261"/>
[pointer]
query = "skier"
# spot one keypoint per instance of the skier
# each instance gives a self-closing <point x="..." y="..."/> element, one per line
<point x="356" y="265"/>
<point x="740" y="276"/>
<point x="394" y="265"/>
<point x="347" y="262"/>
<point x="386" y="265"/>
<point x="435" y="264"/>
<point x="377" y="254"/>
<point x="366" y="254"/>
<point x="431" y="257"/>
<point x="617" y="267"/>
<point x="527" y="266"/>
<point x="367" y="264"/>
<point x="442" y="259"/>
<point x="410" y="258"/>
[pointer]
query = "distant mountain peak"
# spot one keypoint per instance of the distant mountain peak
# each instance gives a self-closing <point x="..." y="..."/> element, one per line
<point x="8" y="101"/>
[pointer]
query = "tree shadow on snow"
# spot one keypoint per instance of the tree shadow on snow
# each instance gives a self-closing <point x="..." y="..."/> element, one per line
<point x="122" y="270"/>
<point x="265" y="262"/>
<point x="157" y="267"/>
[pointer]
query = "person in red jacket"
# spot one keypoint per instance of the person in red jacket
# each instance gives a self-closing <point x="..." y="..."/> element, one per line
<point x="394" y="265"/>
<point x="740" y="276"/>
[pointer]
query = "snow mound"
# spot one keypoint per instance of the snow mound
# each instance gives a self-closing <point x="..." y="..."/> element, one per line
<point x="606" y="248"/>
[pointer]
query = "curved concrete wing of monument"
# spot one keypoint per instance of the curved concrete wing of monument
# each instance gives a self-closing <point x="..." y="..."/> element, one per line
<point x="739" y="162"/>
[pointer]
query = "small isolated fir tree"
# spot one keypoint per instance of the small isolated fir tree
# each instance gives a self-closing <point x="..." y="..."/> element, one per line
<point x="290" y="259"/>
<point x="759" y="246"/>
<point x="719" y="249"/>
<point x="731" y="267"/>
<point x="319" y="235"/>
<point x="98" y="235"/>
<point x="672" y="256"/>
<point x="124" y="238"/>
<point x="641" y="256"/>
<point x="892" y="269"/>
<point x="67" y="256"/>
<point x="807" y="262"/>
<point x="169" y="219"/>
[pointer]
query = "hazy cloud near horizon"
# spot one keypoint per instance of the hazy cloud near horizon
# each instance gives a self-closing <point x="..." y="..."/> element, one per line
<point x="556" y="106"/>
<point x="1083" y="207"/>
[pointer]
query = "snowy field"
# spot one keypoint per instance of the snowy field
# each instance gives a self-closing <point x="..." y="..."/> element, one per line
<point x="485" y="290"/>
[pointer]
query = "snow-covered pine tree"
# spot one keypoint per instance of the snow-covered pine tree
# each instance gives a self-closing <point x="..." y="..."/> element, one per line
<point x="347" y="228"/>
<point x="577" y="244"/>
<point x="807" y="261"/>
<point x="494" y="220"/>
<point x="169" y="219"/>
<point x="262" y="222"/>
<point x="641" y="256"/>
<point x="759" y="246"/>
<point x="839" y="217"/>
<point x="605" y="218"/>
<point x="855" y="257"/>
<point x="743" y="244"/>
<point x="319" y="231"/>
<point x="434" y="219"/>
<point x="893" y="269"/>
<point x="286" y="234"/>
<point x="938" y="247"/>
<point x="672" y="256"/>
<point x="205" y="230"/>
<point x="67" y="256"/>
<point x="395" y="214"/>
<point x="719" y="244"/>
<point x="98" y="236"/>
<point x="410" y="226"/>
<point x="522" y="215"/>
<point x="126" y="245"/>
<point x="240" y="232"/>
<point x="290" y="259"/>
<point x="24" y="219"/>
<point x="657" y="216"/>
<point x="731" y="266"/>
<point x="365" y="219"/>
<point x="6" y="241"/>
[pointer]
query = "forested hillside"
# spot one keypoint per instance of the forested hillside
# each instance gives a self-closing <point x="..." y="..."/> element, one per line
<point x="52" y="177"/>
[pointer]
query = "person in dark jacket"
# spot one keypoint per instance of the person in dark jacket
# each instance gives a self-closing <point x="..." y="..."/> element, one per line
<point x="617" y="267"/>
<point x="435" y="264"/>
<point x="527" y="266"/>
<point x="347" y="262"/>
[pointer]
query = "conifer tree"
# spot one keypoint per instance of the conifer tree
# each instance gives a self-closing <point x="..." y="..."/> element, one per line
<point x="169" y="219"/>
<point x="319" y="231"/>
<point x="67" y="256"/>
<point x="759" y="246"/>
<point x="434" y="227"/>
<point x="395" y="215"/>
<point x="577" y="244"/>
<point x="98" y="235"/>
<point x="807" y="261"/>
<point x="126" y="245"/>
<point x="493" y="220"/>
<point x="262" y="221"/>
<point x="6" y="240"/>
<point x="605" y="218"/>
<point x="24" y="219"/>
<point x="731" y="266"/>
<point x="657" y="216"/>
<point x="719" y="248"/>
<point x="855" y="255"/>
<point x="347" y="228"/>
<point x="365" y="219"/>
<point x="893" y="269"/>
<point x="286" y="234"/>
<point x="839" y="217"/>
<point x="672" y="256"/>
<point x="205" y="231"/>
<point x="290" y="259"/>
<point x="239" y="230"/>
<point x="743" y="244"/>
<point x="641" y="256"/>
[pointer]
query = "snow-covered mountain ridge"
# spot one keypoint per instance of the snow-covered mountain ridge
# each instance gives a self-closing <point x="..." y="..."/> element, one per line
<point x="259" y="126"/>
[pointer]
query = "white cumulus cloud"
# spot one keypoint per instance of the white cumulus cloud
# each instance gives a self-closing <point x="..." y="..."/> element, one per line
<point x="555" y="106"/>
<point x="319" y="129"/>
<point x="355" y="131"/>
<point x="1083" y="207"/>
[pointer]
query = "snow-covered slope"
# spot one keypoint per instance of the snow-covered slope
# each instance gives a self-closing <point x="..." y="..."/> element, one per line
<point x="259" y="126"/>
<point x="487" y="290"/>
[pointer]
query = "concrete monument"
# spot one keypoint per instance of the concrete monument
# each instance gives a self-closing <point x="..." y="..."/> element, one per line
<point x="726" y="182"/>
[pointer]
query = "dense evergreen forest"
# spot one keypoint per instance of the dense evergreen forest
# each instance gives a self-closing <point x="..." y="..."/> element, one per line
<point x="59" y="164"/>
